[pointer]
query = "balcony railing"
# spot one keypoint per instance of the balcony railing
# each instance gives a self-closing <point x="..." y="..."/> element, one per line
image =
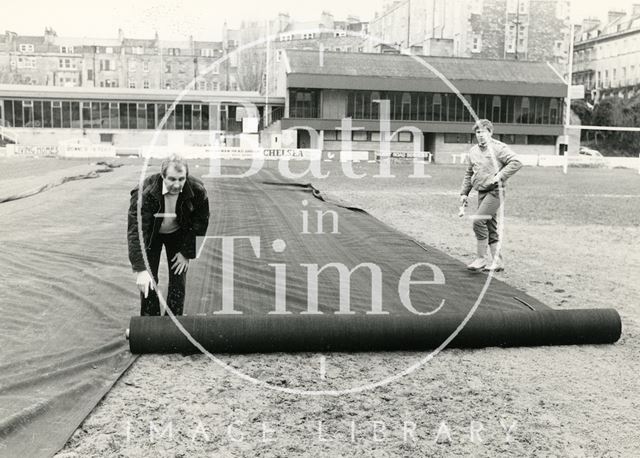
<point x="303" y="112"/>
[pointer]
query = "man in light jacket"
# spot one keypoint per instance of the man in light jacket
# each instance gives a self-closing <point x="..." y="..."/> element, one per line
<point x="490" y="164"/>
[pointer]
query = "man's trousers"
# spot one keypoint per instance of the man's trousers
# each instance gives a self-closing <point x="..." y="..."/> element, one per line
<point x="485" y="221"/>
<point x="150" y="306"/>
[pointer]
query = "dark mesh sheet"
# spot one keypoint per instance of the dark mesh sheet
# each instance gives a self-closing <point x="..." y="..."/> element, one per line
<point x="66" y="295"/>
<point x="267" y="207"/>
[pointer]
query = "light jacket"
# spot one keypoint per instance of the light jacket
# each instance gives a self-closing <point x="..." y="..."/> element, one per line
<point x="484" y="164"/>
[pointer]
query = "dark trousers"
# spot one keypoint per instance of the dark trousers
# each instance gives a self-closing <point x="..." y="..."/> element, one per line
<point x="150" y="306"/>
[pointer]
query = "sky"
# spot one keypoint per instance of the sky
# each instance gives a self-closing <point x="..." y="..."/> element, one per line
<point x="177" y="19"/>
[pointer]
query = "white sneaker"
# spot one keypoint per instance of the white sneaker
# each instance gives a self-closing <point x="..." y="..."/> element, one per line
<point x="477" y="265"/>
<point x="496" y="265"/>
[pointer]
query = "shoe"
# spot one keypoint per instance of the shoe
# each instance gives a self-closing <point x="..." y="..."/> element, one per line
<point x="493" y="268"/>
<point x="477" y="265"/>
<point x="497" y="264"/>
<point x="481" y="260"/>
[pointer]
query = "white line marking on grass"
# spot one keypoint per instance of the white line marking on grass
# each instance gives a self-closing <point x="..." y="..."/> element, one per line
<point x="619" y="196"/>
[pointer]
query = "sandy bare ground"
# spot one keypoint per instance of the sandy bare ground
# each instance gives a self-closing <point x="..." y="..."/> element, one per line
<point x="570" y="241"/>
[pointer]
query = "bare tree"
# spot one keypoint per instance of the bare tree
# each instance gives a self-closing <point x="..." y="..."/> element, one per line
<point x="251" y="61"/>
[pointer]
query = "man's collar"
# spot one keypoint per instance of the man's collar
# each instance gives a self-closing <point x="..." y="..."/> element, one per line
<point x="165" y="190"/>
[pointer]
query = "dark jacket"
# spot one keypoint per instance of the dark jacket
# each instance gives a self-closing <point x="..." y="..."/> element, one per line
<point x="192" y="211"/>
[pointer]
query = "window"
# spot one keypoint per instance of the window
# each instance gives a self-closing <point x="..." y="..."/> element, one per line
<point x="174" y="51"/>
<point x="436" y="107"/>
<point x="406" y="105"/>
<point x="107" y="65"/>
<point x="541" y="140"/>
<point x="66" y="49"/>
<point x="524" y="110"/>
<point x="145" y="84"/>
<point x="67" y="63"/>
<point x="109" y="50"/>
<point x="523" y="6"/>
<point x="26" y="62"/>
<point x="89" y="75"/>
<point x="167" y="68"/>
<point x="457" y="138"/>
<point x="215" y="86"/>
<point x="404" y="136"/>
<point x="206" y="52"/>
<point x="331" y="135"/>
<point x="495" y="108"/>
<point x="137" y="50"/>
<point x="303" y="103"/>
<point x="114" y="115"/>
<point x="359" y="136"/>
<point x="132" y="66"/>
<point x="26" y="48"/>
<point x="141" y="116"/>
<point x="477" y="43"/>
<point x="145" y="66"/>
<point x="132" y="84"/>
<point x="553" y="111"/>
<point x="375" y="105"/>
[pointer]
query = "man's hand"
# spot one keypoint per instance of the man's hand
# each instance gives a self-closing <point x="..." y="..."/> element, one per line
<point x="144" y="282"/>
<point x="497" y="178"/>
<point x="463" y="204"/>
<point x="180" y="264"/>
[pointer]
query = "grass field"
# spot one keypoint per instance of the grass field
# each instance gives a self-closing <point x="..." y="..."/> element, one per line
<point x="570" y="240"/>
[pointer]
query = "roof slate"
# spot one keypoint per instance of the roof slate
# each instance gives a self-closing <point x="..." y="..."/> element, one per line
<point x="404" y="66"/>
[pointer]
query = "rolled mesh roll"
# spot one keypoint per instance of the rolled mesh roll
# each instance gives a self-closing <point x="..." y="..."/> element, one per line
<point x="327" y="333"/>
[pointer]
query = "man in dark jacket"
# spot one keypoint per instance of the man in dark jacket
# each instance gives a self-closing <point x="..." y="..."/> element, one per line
<point x="174" y="211"/>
